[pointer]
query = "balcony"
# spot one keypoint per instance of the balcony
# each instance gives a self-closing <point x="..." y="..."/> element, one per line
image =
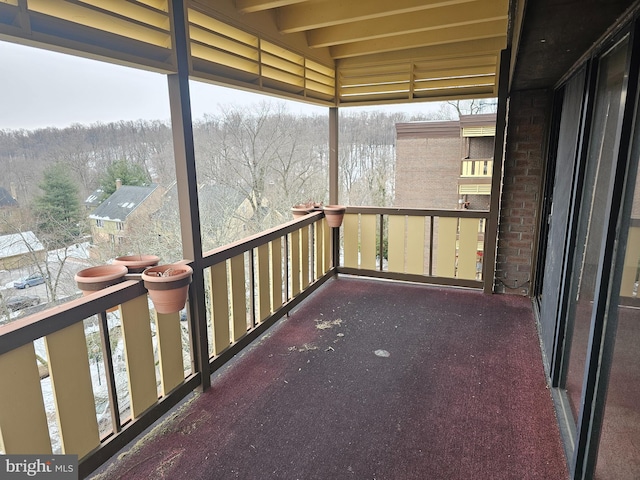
<point x="365" y="377"/>
<point x="475" y="177"/>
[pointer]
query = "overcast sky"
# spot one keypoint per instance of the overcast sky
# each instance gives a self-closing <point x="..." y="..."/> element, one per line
<point x="39" y="88"/>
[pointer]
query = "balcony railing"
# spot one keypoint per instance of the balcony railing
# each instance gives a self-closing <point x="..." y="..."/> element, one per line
<point x="430" y="246"/>
<point x="148" y="361"/>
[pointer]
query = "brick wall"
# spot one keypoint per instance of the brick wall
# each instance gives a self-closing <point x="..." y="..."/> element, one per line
<point x="524" y="154"/>
<point x="427" y="171"/>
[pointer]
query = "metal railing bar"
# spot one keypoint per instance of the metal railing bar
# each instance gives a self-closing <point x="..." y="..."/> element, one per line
<point x="109" y="373"/>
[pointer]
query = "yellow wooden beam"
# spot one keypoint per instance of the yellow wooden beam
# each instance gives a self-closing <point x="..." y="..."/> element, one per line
<point x="136" y="333"/>
<point x="396" y="245"/>
<point x="458" y="51"/>
<point x="238" y="297"/>
<point x="23" y="421"/>
<point x="250" y="6"/>
<point x="220" y="307"/>
<point x="453" y="35"/>
<point x="437" y="18"/>
<point x="72" y="390"/>
<point x="169" y="337"/>
<point x="276" y="273"/>
<point x="486" y="80"/>
<point x="323" y="13"/>
<point x="369" y="234"/>
<point x="350" y="227"/>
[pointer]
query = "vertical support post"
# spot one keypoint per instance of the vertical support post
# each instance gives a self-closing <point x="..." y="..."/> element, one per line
<point x="333" y="155"/>
<point x="491" y="231"/>
<point x="182" y="127"/>
<point x="333" y="181"/>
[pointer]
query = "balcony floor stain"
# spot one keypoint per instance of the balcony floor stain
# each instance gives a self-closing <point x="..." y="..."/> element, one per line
<point x="370" y="380"/>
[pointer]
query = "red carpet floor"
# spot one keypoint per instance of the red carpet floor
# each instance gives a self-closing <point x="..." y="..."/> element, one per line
<point x="371" y="380"/>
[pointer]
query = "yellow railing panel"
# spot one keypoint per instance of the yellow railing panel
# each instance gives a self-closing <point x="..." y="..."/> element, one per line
<point x="294" y="264"/>
<point x="72" y="390"/>
<point x="305" y="257"/>
<point x="23" y="421"/>
<point x="317" y="250"/>
<point x="350" y="232"/>
<point x="326" y="244"/>
<point x="468" y="248"/>
<point x="220" y="308"/>
<point x="238" y="297"/>
<point x="446" y="255"/>
<point x="264" y="288"/>
<point x="136" y="333"/>
<point x="368" y="236"/>
<point x="396" y="243"/>
<point x="415" y="245"/>
<point x="276" y="274"/>
<point x="169" y="338"/>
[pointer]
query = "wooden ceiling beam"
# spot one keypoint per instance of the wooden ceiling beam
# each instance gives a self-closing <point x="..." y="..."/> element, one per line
<point x="450" y="52"/>
<point x="437" y="18"/>
<point x="325" y="13"/>
<point x="251" y="6"/>
<point x="447" y="36"/>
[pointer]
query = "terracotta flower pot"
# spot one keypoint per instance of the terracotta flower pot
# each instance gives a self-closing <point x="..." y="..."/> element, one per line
<point x="334" y="214"/>
<point x="300" y="211"/>
<point x="168" y="286"/>
<point x="137" y="263"/>
<point x="92" y="279"/>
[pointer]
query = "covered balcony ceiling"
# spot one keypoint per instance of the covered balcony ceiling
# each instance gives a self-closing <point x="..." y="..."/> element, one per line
<point x="327" y="52"/>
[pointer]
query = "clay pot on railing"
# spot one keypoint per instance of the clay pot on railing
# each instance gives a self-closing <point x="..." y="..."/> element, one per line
<point x="92" y="279"/>
<point x="334" y="214"/>
<point x="302" y="209"/>
<point x="137" y="263"/>
<point x="168" y="286"/>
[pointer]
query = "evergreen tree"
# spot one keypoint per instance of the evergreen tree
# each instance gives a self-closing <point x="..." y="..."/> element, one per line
<point x="128" y="173"/>
<point x="58" y="210"/>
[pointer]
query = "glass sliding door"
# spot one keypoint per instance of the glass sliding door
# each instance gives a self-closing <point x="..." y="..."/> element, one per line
<point x="593" y="206"/>
<point x="618" y="454"/>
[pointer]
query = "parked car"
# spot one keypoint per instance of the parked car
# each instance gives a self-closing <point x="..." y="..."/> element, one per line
<point x="18" y="303"/>
<point x="30" y="281"/>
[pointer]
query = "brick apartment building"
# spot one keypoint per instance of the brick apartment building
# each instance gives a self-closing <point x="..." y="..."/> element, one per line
<point x="445" y="164"/>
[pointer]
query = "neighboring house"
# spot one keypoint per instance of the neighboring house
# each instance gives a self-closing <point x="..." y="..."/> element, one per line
<point x="445" y="164"/>
<point x="94" y="200"/>
<point x="126" y="209"/>
<point x="20" y="250"/>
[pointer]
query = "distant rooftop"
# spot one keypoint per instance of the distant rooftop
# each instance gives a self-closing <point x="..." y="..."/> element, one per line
<point x="122" y="203"/>
<point x="19" y="244"/>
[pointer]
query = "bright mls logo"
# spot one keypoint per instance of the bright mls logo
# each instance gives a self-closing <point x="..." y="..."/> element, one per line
<point x="50" y="467"/>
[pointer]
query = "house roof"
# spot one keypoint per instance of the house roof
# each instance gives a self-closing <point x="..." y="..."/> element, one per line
<point x="6" y="200"/>
<point x="19" y="244"/>
<point x="122" y="203"/>
<point x="93" y="200"/>
<point x="442" y="129"/>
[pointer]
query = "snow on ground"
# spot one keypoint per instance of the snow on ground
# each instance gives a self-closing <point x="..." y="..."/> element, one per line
<point x="79" y="251"/>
